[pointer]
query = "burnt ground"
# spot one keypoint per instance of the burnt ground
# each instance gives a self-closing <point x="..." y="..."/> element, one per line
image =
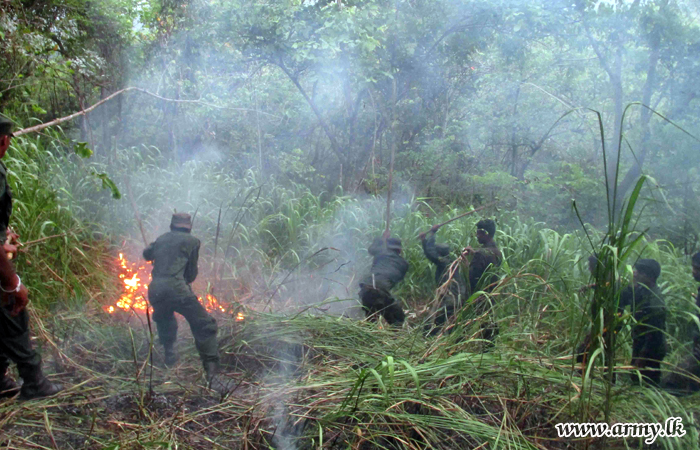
<point x="116" y="399"/>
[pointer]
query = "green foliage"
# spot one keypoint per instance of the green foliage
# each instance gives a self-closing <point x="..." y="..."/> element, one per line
<point x="70" y="267"/>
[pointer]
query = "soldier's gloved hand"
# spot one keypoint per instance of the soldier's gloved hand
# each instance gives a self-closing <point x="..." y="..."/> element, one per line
<point x="21" y="300"/>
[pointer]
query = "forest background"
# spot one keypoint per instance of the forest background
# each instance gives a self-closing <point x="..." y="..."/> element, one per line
<point x="317" y="93"/>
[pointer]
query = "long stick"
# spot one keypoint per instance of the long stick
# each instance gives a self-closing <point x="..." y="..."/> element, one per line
<point x="136" y="211"/>
<point x="37" y="241"/>
<point x="58" y="121"/>
<point x="466" y="214"/>
<point x="194" y="216"/>
<point x="216" y="246"/>
<point x="391" y="164"/>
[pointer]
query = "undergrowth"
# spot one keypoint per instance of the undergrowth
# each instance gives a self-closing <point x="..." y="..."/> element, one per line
<point x="302" y="375"/>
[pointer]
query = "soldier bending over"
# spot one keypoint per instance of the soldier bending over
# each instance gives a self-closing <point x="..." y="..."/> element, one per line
<point x="388" y="269"/>
<point x="175" y="255"/>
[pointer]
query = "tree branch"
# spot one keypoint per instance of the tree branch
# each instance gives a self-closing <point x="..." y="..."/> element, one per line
<point x="61" y="120"/>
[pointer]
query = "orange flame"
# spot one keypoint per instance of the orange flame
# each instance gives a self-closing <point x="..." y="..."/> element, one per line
<point x="135" y="292"/>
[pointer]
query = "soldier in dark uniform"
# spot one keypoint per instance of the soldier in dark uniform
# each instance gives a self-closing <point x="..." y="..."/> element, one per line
<point x="388" y="269"/>
<point x="451" y="284"/>
<point x="679" y="382"/>
<point x="15" y="344"/>
<point x="649" y="310"/>
<point x="483" y="261"/>
<point x="175" y="255"/>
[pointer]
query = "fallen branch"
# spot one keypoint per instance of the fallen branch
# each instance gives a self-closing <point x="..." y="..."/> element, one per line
<point x="60" y="120"/>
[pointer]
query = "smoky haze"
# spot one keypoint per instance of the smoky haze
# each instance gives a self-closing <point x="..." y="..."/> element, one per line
<point x="478" y="100"/>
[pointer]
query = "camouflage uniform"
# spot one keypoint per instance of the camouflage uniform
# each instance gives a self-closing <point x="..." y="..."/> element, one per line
<point x="14" y="331"/>
<point x="486" y="258"/>
<point x="452" y="295"/>
<point x="175" y="255"/>
<point x="679" y="380"/>
<point x="15" y="343"/>
<point x="648" y="340"/>
<point x="388" y="269"/>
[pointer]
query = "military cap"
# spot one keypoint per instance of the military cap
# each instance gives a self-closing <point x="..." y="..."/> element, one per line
<point x="181" y="220"/>
<point x="393" y="243"/>
<point x="696" y="259"/>
<point x="6" y="127"/>
<point x="487" y="225"/>
<point x="649" y="267"/>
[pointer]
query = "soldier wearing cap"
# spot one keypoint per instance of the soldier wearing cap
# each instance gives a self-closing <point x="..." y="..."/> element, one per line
<point x="679" y="381"/>
<point x="388" y="269"/>
<point x="15" y="344"/>
<point x="175" y="255"/>
<point x="649" y="310"/>
<point x="452" y="286"/>
<point x="481" y="277"/>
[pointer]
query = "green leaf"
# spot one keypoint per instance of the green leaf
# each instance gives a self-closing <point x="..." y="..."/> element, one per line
<point x="81" y="149"/>
<point x="107" y="183"/>
<point x="38" y="109"/>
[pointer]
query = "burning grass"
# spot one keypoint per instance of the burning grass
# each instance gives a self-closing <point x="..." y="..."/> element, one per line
<point x="135" y="277"/>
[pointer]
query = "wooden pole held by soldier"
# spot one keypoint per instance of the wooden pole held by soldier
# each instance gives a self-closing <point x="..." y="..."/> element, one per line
<point x="391" y="164"/>
<point x="460" y="216"/>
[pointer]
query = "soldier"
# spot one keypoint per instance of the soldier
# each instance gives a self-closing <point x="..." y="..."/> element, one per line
<point x="680" y="382"/>
<point x="452" y="287"/>
<point x="388" y="269"/>
<point x="485" y="258"/>
<point x="175" y="255"/>
<point x="15" y="344"/>
<point x="649" y="310"/>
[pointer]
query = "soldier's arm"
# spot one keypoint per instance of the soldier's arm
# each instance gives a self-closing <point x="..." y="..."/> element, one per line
<point x="10" y="282"/>
<point x="377" y="247"/>
<point x="149" y="252"/>
<point x="191" y="269"/>
<point x="429" y="248"/>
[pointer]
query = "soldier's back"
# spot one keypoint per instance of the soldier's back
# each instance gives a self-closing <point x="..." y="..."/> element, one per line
<point x="171" y="252"/>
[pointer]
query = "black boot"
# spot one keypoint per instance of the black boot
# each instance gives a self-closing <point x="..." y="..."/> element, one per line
<point x="214" y="380"/>
<point x="36" y="385"/>
<point x="8" y="387"/>
<point x="171" y="357"/>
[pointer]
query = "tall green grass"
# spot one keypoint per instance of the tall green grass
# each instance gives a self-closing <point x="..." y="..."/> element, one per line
<point x="69" y="269"/>
<point x="349" y="384"/>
